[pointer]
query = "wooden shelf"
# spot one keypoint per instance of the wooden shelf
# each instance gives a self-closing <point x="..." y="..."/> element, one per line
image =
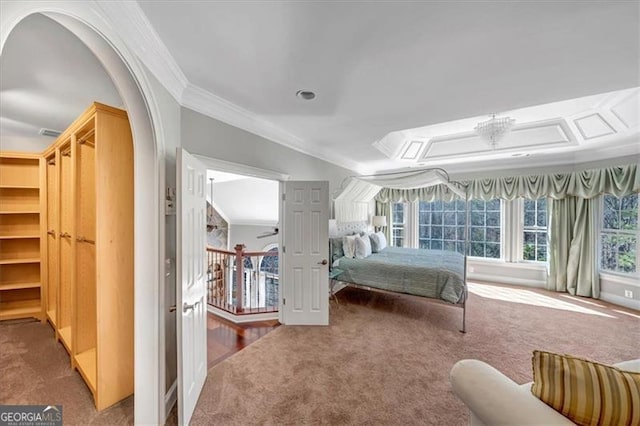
<point x="19" y="212"/>
<point x="19" y="187"/>
<point x="86" y="362"/>
<point x="20" y="309"/>
<point x="15" y="237"/>
<point x="19" y="286"/>
<point x="65" y="335"/>
<point x="19" y="261"/>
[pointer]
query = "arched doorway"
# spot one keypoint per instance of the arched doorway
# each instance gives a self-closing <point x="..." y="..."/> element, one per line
<point x="92" y="27"/>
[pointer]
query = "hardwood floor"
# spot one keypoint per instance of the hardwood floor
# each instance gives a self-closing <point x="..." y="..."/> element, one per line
<point x="225" y="338"/>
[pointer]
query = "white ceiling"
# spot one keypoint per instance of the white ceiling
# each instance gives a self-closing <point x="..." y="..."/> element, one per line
<point x="389" y="66"/>
<point x="47" y="78"/>
<point x="388" y="71"/>
<point x="242" y="200"/>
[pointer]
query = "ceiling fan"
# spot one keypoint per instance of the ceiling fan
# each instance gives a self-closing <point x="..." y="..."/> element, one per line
<point x="268" y="234"/>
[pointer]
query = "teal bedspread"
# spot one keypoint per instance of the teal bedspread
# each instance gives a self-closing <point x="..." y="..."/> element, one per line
<point x="436" y="274"/>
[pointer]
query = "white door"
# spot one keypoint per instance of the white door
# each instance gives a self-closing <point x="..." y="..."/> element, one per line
<point x="305" y="240"/>
<point x="191" y="285"/>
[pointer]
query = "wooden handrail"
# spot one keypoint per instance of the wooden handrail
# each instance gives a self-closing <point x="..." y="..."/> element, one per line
<point x="259" y="253"/>
<point x="216" y="250"/>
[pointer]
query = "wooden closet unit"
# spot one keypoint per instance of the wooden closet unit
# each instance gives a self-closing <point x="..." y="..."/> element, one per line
<point x="81" y="227"/>
<point x="21" y="290"/>
<point x="102" y="188"/>
<point x="66" y="245"/>
<point x="52" y="259"/>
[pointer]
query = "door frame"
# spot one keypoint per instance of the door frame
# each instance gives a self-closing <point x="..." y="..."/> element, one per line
<point x="91" y="25"/>
<point x="246" y="170"/>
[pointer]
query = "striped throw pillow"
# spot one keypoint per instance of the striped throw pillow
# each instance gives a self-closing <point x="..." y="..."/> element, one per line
<point x="586" y="392"/>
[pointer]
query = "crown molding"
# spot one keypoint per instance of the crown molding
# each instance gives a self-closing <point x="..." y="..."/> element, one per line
<point x="135" y="29"/>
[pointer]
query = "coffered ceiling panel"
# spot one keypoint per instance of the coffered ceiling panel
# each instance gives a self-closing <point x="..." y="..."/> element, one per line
<point x="593" y="126"/>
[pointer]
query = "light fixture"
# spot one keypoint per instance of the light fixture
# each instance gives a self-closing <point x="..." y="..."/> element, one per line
<point x="378" y="222"/>
<point x="307" y="95"/>
<point x="494" y="129"/>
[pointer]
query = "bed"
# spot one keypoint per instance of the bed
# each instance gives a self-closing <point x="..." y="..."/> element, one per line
<point x="436" y="274"/>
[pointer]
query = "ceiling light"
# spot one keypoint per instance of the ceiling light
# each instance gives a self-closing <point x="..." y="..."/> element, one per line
<point x="307" y="95"/>
<point x="494" y="129"/>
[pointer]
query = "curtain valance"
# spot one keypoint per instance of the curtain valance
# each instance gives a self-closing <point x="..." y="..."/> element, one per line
<point x="618" y="181"/>
<point x="430" y="193"/>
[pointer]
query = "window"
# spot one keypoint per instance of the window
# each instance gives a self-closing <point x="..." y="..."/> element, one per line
<point x="534" y="246"/>
<point x="398" y="224"/>
<point x="485" y="228"/>
<point x="619" y="237"/>
<point x="269" y="274"/>
<point x="441" y="225"/>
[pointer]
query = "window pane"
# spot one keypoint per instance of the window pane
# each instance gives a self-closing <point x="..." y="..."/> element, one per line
<point x="534" y="246"/>
<point x="438" y="222"/>
<point x="436" y="232"/>
<point x="493" y="250"/>
<point x="493" y="218"/>
<point x="619" y="239"/>
<point x="449" y="218"/>
<point x="529" y="218"/>
<point x="493" y="235"/>
<point x="477" y="234"/>
<point x="449" y="233"/>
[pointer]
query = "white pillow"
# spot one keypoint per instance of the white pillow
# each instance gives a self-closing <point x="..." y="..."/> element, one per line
<point x="378" y="242"/>
<point x="363" y="247"/>
<point x="349" y="246"/>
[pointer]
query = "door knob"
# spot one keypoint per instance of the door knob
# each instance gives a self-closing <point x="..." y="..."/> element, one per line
<point x="324" y="262"/>
<point x="187" y="307"/>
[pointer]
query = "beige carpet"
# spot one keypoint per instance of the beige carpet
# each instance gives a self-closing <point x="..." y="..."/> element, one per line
<point x="385" y="359"/>
<point x="35" y="369"/>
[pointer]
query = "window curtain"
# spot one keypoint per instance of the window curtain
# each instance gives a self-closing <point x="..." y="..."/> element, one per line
<point x="573" y="225"/>
<point x="429" y="193"/>
<point x="618" y="181"/>
<point x="384" y="209"/>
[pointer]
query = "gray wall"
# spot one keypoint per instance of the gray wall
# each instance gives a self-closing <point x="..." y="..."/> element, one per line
<point x="246" y="234"/>
<point x="215" y="139"/>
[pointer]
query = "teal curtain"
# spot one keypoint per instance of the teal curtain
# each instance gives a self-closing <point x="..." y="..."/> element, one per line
<point x="573" y="226"/>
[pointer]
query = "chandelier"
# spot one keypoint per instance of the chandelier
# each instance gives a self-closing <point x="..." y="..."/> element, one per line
<point x="494" y="129"/>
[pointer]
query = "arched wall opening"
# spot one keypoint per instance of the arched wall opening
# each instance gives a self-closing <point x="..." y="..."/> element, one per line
<point x="137" y="94"/>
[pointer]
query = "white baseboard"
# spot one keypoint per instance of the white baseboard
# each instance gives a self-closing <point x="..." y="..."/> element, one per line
<point x="170" y="399"/>
<point x="502" y="279"/>
<point x="620" y="301"/>
<point x="241" y="319"/>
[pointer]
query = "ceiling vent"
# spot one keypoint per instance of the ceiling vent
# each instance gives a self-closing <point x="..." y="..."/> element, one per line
<point x="50" y="133"/>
